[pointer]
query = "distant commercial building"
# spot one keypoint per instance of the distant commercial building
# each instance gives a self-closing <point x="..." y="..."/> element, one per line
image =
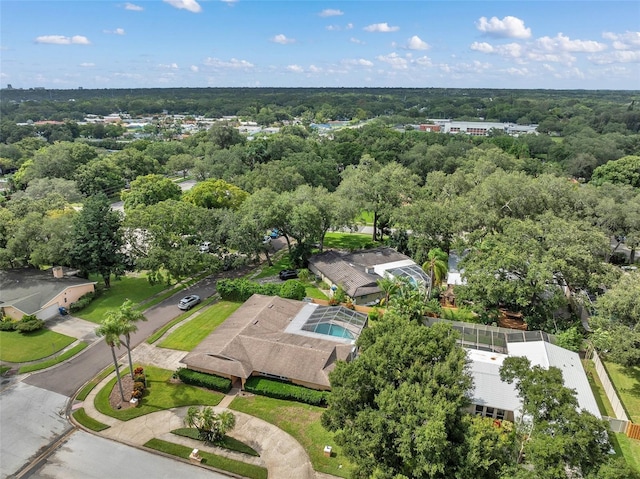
<point x="477" y="128"/>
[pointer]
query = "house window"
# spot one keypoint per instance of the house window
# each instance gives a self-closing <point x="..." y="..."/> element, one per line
<point x="500" y="414"/>
<point x="479" y="410"/>
<point x="490" y="412"/>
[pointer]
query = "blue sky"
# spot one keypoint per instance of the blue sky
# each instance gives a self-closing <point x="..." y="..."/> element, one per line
<point x="308" y="43"/>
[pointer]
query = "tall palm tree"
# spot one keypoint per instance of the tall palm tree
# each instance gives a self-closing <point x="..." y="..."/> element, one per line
<point x="127" y="316"/>
<point x="111" y="331"/>
<point x="437" y="267"/>
<point x="389" y="287"/>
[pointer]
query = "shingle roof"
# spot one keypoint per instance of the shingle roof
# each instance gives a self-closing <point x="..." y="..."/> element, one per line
<point x="253" y="338"/>
<point x="349" y="270"/>
<point x="29" y="290"/>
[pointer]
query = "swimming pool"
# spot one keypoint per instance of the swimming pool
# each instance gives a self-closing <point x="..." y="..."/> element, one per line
<point x="334" y="330"/>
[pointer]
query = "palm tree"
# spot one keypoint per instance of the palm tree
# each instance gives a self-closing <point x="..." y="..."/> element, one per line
<point x="127" y="316"/>
<point x="111" y="331"/>
<point x="437" y="267"/>
<point x="389" y="287"/>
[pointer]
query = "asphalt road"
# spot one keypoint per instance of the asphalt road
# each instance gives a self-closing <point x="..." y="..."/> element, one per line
<point x="69" y="378"/>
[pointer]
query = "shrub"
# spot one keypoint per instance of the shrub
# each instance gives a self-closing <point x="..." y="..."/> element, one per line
<point x="138" y="386"/>
<point x="137" y="393"/>
<point x="281" y="390"/>
<point x="82" y="301"/>
<point x="292" y="290"/>
<point x="140" y="378"/>
<point x="29" y="323"/>
<point x="7" y="324"/>
<point x="209" y="381"/>
<point x="137" y="371"/>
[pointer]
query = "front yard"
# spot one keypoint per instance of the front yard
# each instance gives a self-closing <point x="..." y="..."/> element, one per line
<point x="22" y="347"/>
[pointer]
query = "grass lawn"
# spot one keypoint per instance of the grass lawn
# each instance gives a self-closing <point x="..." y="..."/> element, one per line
<point x="81" y="416"/>
<point x="16" y="347"/>
<point x="348" y="241"/>
<point x="312" y="291"/>
<point x="160" y="395"/>
<point x="160" y="331"/>
<point x="598" y="391"/>
<point x="280" y="262"/>
<point x="302" y="421"/>
<point x="136" y="288"/>
<point x="226" y="442"/>
<point x="219" y="462"/>
<point x="189" y="335"/>
<point x="52" y="362"/>
<point x="4" y="369"/>
<point x="84" y="392"/>
<point x="365" y="217"/>
<point x="626" y="380"/>
<point x="628" y="448"/>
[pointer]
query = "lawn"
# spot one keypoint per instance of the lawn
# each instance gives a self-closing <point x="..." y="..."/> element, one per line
<point x="208" y="459"/>
<point x="312" y="291"/>
<point x="53" y="361"/>
<point x="161" y="394"/>
<point x="347" y="241"/>
<point x="83" y="418"/>
<point x="19" y="347"/>
<point x="628" y="448"/>
<point x="626" y="380"/>
<point x="136" y="288"/>
<point x="227" y="442"/>
<point x="157" y="334"/>
<point x="189" y="335"/>
<point x="302" y="421"/>
<point x="280" y="262"/>
<point x="598" y="391"/>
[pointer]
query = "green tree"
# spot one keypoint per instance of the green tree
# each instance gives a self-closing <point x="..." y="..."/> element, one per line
<point x="437" y="267"/>
<point x="148" y="190"/>
<point x="126" y="316"/>
<point x="213" y="194"/>
<point x="180" y="163"/>
<point x="398" y="408"/>
<point x="625" y="171"/>
<point x="621" y="303"/>
<point x="211" y="427"/>
<point x="554" y="436"/>
<point x="96" y="241"/>
<point x="111" y="331"/>
<point x="99" y="176"/>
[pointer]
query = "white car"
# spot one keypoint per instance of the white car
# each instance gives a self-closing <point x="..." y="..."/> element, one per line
<point x="189" y="302"/>
<point x="204" y="246"/>
<point x="266" y="239"/>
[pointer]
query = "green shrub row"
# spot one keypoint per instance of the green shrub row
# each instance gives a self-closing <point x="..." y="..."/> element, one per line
<point x="209" y="381"/>
<point x="281" y="390"/>
<point x="27" y="324"/>
<point x="242" y="289"/>
<point x="82" y="301"/>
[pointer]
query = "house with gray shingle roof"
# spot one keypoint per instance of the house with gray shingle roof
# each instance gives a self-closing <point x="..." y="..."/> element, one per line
<point x="33" y="291"/>
<point x="279" y="338"/>
<point x="358" y="272"/>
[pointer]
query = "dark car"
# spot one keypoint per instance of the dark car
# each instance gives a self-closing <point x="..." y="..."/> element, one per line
<point x="286" y="274"/>
<point x="189" y="302"/>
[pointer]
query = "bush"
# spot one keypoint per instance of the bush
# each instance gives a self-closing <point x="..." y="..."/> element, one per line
<point x="281" y="390"/>
<point x="29" y="323"/>
<point x="292" y="290"/>
<point x="82" y="301"/>
<point x="209" y="381"/>
<point x="242" y="289"/>
<point x="138" y="386"/>
<point x="7" y="325"/>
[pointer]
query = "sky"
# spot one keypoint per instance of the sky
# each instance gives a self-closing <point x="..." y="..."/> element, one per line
<point x="308" y="43"/>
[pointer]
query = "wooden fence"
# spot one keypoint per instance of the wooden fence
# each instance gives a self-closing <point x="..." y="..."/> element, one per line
<point x="633" y="430"/>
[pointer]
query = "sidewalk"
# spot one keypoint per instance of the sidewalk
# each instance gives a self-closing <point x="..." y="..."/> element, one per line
<point x="279" y="452"/>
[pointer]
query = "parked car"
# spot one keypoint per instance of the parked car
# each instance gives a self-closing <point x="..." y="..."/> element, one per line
<point x="286" y="274"/>
<point x="204" y="246"/>
<point x="189" y="302"/>
<point x="266" y="239"/>
<point x="275" y="233"/>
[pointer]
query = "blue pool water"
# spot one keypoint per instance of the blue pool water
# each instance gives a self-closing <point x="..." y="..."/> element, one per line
<point x="333" y="330"/>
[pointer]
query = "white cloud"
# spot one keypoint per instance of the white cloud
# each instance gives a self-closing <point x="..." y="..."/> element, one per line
<point x="416" y="43"/>
<point x="229" y="2"/>
<point x="331" y="12"/>
<point x="314" y="69"/>
<point x="295" y="68"/>
<point x="360" y="62"/>
<point x="424" y="61"/>
<point x="563" y="43"/>
<point x="87" y="65"/>
<point x="395" y="60"/>
<point x="169" y="66"/>
<point x="618" y="56"/>
<point x="381" y="27"/>
<point x="189" y="5"/>
<point x="483" y="47"/>
<point x="558" y="57"/>
<point x="355" y="40"/>
<point x="338" y="28"/>
<point x="234" y="63"/>
<point x="117" y="31"/>
<point x="623" y="41"/>
<point x="517" y="71"/>
<point x="282" y="39"/>
<point x="508" y="27"/>
<point x="62" y="40"/>
<point x="512" y="50"/>
<point x="132" y="7"/>
<point x="194" y="68"/>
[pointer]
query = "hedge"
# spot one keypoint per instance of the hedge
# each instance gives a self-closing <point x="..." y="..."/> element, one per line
<point x="242" y="289"/>
<point x="209" y="381"/>
<point x="282" y="390"/>
<point x="82" y="302"/>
